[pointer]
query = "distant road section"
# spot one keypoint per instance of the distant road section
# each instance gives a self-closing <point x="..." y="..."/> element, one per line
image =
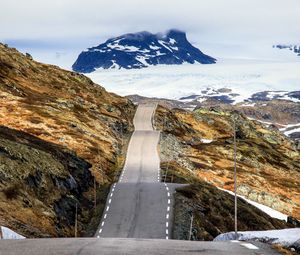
<point x="139" y="205"/>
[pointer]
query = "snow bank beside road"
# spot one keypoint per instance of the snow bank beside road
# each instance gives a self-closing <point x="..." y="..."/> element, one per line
<point x="268" y="210"/>
<point x="9" y="234"/>
<point x="286" y="237"/>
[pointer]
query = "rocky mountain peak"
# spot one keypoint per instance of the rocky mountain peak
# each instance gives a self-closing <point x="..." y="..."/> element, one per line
<point x="139" y="50"/>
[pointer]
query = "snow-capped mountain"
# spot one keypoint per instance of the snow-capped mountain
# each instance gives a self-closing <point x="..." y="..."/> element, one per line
<point x="294" y="48"/>
<point x="138" y="50"/>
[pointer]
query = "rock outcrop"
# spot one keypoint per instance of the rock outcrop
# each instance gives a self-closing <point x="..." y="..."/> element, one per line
<point x="60" y="138"/>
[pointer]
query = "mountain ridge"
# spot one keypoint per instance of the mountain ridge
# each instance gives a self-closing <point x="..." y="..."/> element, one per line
<point x="139" y="50"/>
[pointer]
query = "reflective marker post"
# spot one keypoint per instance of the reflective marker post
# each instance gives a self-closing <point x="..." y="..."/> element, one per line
<point x="235" y="180"/>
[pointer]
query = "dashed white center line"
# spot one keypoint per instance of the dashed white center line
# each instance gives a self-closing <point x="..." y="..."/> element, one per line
<point x="167" y="237"/>
<point x="102" y="224"/>
<point x="107" y="208"/>
<point x="100" y="231"/>
<point x="167" y="188"/>
<point x="105" y="215"/>
<point x="168" y="209"/>
<point x="167" y="231"/>
<point x="169" y="201"/>
<point x="111" y="194"/>
<point x="250" y="246"/>
<point x="109" y="201"/>
<point x="168" y="194"/>
<point x="98" y="236"/>
<point x="167" y="224"/>
<point x="167" y="216"/>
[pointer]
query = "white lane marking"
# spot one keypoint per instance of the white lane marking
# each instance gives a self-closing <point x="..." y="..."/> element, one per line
<point x="98" y="236"/>
<point x="111" y="194"/>
<point x="167" y="231"/>
<point x="167" y="188"/>
<point x="102" y="224"/>
<point x="235" y="241"/>
<point x="167" y="237"/>
<point x="100" y="230"/>
<point x="168" y="209"/>
<point x="109" y="201"/>
<point x="168" y="194"/>
<point x="105" y="215"/>
<point x="165" y="184"/>
<point x="169" y="201"/>
<point x="107" y="208"/>
<point x="250" y="246"/>
<point x="167" y="216"/>
<point x="113" y="190"/>
<point x="114" y="185"/>
<point x="167" y="224"/>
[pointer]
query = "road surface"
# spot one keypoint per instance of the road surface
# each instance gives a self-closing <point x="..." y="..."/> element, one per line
<point x="138" y="212"/>
<point x="119" y="246"/>
<point x="139" y="205"/>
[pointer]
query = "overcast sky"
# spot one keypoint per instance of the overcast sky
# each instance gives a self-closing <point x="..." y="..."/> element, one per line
<point x="70" y="25"/>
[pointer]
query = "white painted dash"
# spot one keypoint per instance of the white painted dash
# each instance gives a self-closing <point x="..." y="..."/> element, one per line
<point x="105" y="215"/>
<point x="102" y="224"/>
<point x="250" y="246"/>
<point x="167" y="216"/>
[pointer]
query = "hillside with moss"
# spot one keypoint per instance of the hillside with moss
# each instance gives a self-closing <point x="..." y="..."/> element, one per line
<point x="199" y="145"/>
<point x="61" y="136"/>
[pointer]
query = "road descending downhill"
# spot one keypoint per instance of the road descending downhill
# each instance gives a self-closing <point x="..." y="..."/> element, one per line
<point x="138" y="212"/>
<point x="139" y="205"/>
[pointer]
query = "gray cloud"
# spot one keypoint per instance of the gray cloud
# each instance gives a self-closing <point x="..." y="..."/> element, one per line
<point x="228" y="20"/>
<point x="82" y="23"/>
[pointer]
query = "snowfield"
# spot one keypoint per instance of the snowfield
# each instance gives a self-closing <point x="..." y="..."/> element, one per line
<point x="245" y="77"/>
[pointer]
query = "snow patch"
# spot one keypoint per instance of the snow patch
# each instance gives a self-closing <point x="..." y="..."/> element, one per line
<point x="206" y="140"/>
<point x="9" y="234"/>
<point x="268" y="210"/>
<point x="284" y="237"/>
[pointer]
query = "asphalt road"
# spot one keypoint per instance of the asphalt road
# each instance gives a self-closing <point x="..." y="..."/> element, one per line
<point x="138" y="212"/>
<point x="120" y="246"/>
<point x="139" y="205"/>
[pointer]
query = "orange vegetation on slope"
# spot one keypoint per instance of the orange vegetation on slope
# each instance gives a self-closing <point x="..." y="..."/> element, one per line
<point x="268" y="167"/>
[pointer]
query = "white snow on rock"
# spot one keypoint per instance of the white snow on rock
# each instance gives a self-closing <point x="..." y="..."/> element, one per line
<point x="285" y="237"/>
<point x="9" y="234"/>
<point x="287" y="133"/>
<point x="268" y="210"/>
<point x="206" y="140"/>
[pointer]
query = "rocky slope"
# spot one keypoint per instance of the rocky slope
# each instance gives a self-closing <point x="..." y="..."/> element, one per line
<point x="138" y="50"/>
<point x="59" y="132"/>
<point x="272" y="112"/>
<point x="268" y="168"/>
